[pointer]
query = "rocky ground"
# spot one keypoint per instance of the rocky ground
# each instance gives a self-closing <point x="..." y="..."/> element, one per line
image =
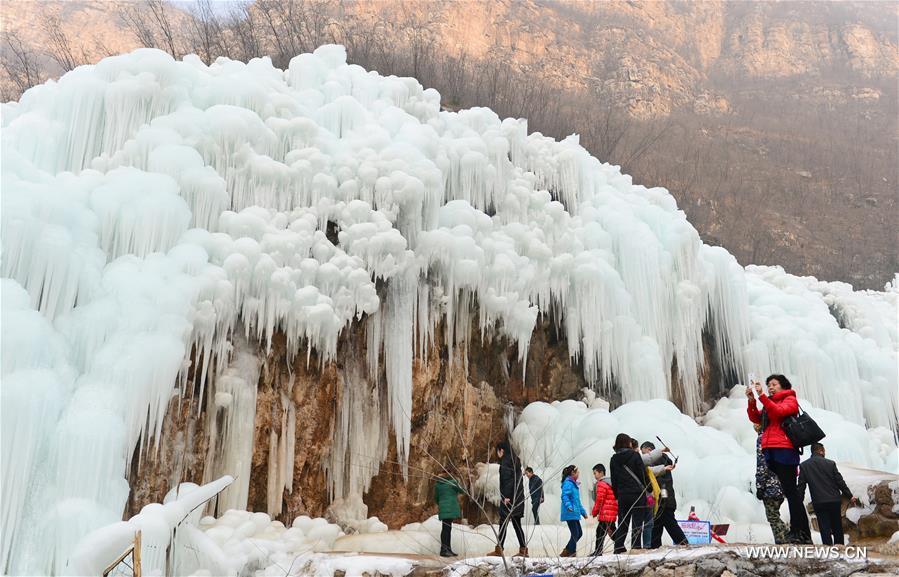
<point x="882" y="521"/>
<point x="708" y="561"/>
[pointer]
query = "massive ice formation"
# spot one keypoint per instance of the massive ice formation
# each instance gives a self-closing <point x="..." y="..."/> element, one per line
<point x="156" y="214"/>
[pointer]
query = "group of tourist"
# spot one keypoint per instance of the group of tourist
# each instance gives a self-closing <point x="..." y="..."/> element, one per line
<point x="640" y="496"/>
<point x="638" y="492"/>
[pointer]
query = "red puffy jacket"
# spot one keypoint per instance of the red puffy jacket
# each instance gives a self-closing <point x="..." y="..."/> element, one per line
<point x="779" y="406"/>
<point x="606" y="505"/>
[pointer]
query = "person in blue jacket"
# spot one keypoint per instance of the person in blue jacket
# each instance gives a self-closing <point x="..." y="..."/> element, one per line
<point x="572" y="509"/>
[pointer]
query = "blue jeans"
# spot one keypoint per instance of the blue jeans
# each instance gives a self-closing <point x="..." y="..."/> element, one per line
<point x="574" y="527"/>
<point x="647" y="528"/>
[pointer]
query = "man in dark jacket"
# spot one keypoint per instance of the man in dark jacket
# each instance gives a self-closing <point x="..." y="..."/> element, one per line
<point x="664" y="518"/>
<point x="667" y="504"/>
<point x="535" y="489"/>
<point x="826" y="486"/>
<point x="511" y="505"/>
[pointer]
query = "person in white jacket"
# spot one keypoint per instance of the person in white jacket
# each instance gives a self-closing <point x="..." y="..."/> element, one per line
<point x="654" y="460"/>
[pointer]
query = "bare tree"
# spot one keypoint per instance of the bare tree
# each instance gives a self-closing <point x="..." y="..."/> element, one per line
<point x="152" y="23"/>
<point x="59" y="46"/>
<point x="20" y="63"/>
<point x="275" y="32"/>
<point x="133" y="14"/>
<point x="207" y="33"/>
<point x="159" y="13"/>
<point x="242" y="24"/>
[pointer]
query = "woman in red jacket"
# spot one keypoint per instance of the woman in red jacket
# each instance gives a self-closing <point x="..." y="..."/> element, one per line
<point x="781" y="456"/>
<point x="605" y="509"/>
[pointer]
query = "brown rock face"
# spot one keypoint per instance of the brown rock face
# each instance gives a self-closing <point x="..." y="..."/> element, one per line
<point x="879" y="524"/>
<point x="313" y="394"/>
<point x="458" y="418"/>
<point x="459" y="413"/>
<point x="180" y="454"/>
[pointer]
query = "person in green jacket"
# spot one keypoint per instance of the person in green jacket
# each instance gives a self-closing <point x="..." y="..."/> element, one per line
<point x="446" y="493"/>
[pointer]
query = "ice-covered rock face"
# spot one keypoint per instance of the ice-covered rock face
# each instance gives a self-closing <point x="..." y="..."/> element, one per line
<point x="152" y="207"/>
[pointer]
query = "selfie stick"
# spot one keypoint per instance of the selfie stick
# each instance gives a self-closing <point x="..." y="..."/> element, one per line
<point x="669" y="449"/>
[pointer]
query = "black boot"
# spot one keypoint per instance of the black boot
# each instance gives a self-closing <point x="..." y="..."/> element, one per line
<point x="798" y="539"/>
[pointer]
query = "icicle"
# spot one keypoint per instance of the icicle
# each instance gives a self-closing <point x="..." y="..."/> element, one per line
<point x="234" y="406"/>
<point x="360" y="433"/>
<point x="399" y="328"/>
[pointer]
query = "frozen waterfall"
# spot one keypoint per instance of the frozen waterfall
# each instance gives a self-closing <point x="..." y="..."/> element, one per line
<point x="157" y="215"/>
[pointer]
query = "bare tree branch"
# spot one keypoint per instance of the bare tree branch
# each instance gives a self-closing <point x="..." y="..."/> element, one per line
<point x="20" y="63"/>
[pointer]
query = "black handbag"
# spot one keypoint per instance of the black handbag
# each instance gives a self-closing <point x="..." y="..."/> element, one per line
<point x="801" y="429"/>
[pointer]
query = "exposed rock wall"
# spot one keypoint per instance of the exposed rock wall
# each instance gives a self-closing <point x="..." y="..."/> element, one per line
<point x="457" y="419"/>
<point x="180" y="454"/>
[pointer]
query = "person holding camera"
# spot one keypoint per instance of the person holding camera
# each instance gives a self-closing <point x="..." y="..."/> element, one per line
<point x="664" y="519"/>
<point x="655" y="466"/>
<point x="781" y="456"/>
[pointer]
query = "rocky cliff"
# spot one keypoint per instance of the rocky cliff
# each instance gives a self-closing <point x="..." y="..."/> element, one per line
<point x="460" y="411"/>
<point x="655" y="56"/>
<point x="660" y="56"/>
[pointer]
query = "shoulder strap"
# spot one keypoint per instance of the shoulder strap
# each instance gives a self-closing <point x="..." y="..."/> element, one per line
<point x="631" y="473"/>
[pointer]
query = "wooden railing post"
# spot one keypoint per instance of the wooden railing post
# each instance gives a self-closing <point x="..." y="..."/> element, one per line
<point x="136" y="554"/>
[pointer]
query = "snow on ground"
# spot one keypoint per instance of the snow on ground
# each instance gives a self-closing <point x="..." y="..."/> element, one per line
<point x="158" y="213"/>
<point x="181" y="509"/>
<point x="715" y="474"/>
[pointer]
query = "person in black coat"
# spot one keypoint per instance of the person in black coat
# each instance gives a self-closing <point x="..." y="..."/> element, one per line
<point x="511" y="490"/>
<point x="629" y="483"/>
<point x="535" y="489"/>
<point x="827" y="486"/>
<point x="667" y="504"/>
